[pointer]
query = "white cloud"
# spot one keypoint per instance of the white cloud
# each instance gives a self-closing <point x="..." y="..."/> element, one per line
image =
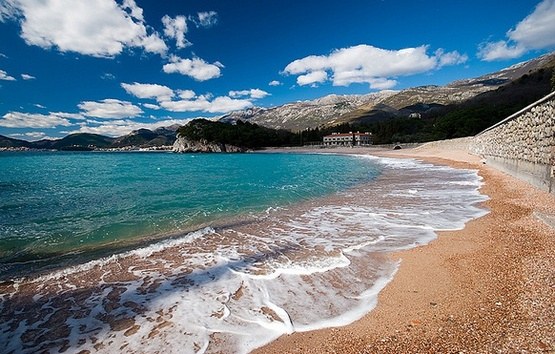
<point x="36" y="135"/>
<point x="69" y="115"/>
<point x="368" y="64"/>
<point x="258" y="94"/>
<point x="38" y="105"/>
<point x="2" y="55"/>
<point x="109" y="108"/>
<point x="186" y="94"/>
<point x="4" y="76"/>
<point x="188" y="101"/>
<point x="122" y="127"/>
<point x="252" y="93"/>
<point x="312" y="77"/>
<point x="154" y="44"/>
<point x="99" y="28"/>
<point x="206" y="19"/>
<point x="535" y="31"/>
<point x="136" y="12"/>
<point x="221" y="104"/>
<point x="27" y="77"/>
<point x="226" y="104"/>
<point x="451" y="58"/>
<point x="158" y="92"/>
<point x="274" y="83"/>
<point x="499" y="50"/>
<point x="196" y="68"/>
<point x="34" y="120"/>
<point x="151" y="106"/>
<point x="176" y="28"/>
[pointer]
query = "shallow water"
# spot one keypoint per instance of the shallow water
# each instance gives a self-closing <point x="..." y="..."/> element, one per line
<point x="90" y="204"/>
<point x="313" y="263"/>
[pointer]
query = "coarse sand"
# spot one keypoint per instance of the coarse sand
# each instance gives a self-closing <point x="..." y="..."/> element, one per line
<point x="487" y="288"/>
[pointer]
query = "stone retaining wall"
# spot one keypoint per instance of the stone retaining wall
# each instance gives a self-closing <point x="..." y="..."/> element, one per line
<point x="523" y="144"/>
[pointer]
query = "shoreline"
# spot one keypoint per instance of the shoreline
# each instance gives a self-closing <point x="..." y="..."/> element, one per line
<point x="126" y="300"/>
<point x="442" y="297"/>
<point x="486" y="288"/>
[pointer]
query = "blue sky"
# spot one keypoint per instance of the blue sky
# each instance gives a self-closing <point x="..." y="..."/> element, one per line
<point x="111" y="66"/>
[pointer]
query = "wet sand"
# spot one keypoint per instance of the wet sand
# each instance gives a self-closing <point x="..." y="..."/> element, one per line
<point x="487" y="288"/>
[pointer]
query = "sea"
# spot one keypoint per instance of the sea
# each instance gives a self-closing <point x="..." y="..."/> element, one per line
<point x="207" y="253"/>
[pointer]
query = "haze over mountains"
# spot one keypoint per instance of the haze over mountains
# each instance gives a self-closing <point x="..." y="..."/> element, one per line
<point x="519" y="84"/>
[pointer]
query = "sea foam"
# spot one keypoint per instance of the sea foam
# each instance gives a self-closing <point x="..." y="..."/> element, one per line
<point x="313" y="265"/>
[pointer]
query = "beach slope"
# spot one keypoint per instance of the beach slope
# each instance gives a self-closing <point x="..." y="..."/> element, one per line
<point x="487" y="288"/>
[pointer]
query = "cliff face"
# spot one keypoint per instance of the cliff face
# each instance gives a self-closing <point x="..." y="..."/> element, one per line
<point x="183" y="144"/>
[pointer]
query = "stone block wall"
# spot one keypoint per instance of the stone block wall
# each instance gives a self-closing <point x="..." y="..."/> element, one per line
<point x="523" y="144"/>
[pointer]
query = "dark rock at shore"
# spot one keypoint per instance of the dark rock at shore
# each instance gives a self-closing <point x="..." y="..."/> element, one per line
<point x="183" y="144"/>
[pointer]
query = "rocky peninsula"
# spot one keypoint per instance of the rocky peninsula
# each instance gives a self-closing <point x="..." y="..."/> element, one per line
<point x="183" y="144"/>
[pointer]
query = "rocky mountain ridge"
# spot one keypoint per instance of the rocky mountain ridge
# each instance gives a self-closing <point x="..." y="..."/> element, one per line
<point x="307" y="114"/>
<point x="520" y="83"/>
<point x="336" y="109"/>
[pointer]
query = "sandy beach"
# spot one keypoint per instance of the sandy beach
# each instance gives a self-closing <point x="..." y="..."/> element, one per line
<point x="238" y="285"/>
<point x="487" y="288"/>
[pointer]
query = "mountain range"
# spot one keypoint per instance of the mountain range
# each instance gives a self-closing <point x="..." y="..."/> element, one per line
<point x="502" y="92"/>
<point x="337" y="109"/>
<point x="141" y="138"/>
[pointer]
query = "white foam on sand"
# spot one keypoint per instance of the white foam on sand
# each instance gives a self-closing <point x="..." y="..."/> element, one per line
<point x="303" y="268"/>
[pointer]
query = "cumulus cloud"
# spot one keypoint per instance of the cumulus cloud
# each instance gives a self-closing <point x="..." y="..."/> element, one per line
<point x="186" y="100"/>
<point x="535" y="31"/>
<point x="35" y="120"/>
<point x="99" y="28"/>
<point x="134" y="10"/>
<point x="4" y="76"/>
<point x="196" y="68"/>
<point x="368" y="64"/>
<point x="186" y="94"/>
<point x="312" y="77"/>
<point x="190" y="102"/>
<point x="27" y="77"/>
<point x="109" y="108"/>
<point x="252" y="93"/>
<point x="176" y="28"/>
<point x="499" y="50"/>
<point x="274" y="83"/>
<point x="155" y="91"/>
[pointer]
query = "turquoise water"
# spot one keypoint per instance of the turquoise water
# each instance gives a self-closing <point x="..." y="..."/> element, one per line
<point x="250" y="242"/>
<point x="57" y="203"/>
